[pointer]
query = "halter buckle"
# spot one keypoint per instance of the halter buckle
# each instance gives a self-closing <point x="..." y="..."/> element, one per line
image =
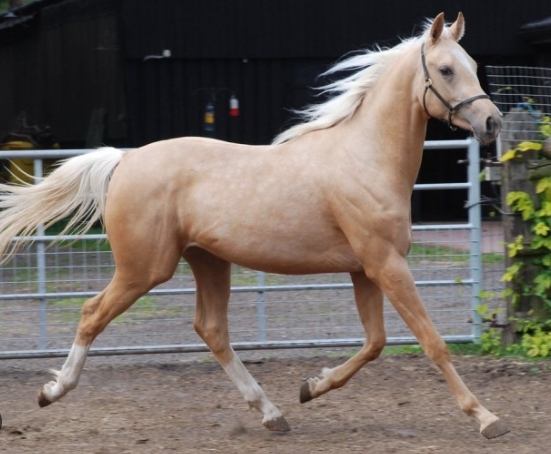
<point x="428" y="82"/>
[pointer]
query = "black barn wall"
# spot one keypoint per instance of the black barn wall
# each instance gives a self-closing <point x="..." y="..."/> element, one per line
<point x="61" y="67"/>
<point x="312" y="28"/>
<point x="262" y="50"/>
<point x="167" y="98"/>
<point x="78" y="55"/>
<point x="75" y="56"/>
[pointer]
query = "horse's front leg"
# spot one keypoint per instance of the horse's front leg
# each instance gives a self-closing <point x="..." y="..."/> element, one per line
<point x="396" y="281"/>
<point x="369" y="301"/>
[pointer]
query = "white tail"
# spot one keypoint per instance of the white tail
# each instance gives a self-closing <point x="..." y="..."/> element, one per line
<point x="77" y="188"/>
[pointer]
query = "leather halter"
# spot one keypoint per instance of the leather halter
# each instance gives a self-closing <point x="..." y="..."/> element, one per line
<point x="430" y="86"/>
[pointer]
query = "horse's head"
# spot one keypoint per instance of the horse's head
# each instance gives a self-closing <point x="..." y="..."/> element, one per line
<point x="451" y="90"/>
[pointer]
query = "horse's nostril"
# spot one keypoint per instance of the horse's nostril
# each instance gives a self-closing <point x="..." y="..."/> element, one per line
<point x="490" y="125"/>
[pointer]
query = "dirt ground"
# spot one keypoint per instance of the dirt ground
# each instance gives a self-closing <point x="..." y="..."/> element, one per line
<point x="162" y="403"/>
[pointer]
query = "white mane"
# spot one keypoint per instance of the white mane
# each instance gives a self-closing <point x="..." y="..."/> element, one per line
<point x="348" y="93"/>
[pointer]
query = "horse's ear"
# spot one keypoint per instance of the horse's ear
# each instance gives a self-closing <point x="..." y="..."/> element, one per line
<point x="436" y="28"/>
<point x="457" y="29"/>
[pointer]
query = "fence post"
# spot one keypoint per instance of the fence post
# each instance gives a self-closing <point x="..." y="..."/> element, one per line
<point x="260" y="306"/>
<point x="475" y="221"/>
<point x="515" y="177"/>
<point x="41" y="268"/>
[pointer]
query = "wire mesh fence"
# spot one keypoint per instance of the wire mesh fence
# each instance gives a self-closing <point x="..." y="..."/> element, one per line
<point x="263" y="308"/>
<point x="42" y="290"/>
<point x="523" y="94"/>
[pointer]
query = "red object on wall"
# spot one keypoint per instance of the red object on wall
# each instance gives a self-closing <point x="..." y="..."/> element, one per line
<point x="234" y="106"/>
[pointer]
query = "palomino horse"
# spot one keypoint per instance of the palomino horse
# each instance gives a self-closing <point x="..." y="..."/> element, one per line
<point x="331" y="194"/>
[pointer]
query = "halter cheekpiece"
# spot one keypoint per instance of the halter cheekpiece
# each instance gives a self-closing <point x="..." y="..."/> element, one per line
<point x="430" y="86"/>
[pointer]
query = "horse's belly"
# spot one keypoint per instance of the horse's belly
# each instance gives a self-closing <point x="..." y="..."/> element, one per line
<point x="304" y="265"/>
<point x="288" y="257"/>
<point x="334" y="264"/>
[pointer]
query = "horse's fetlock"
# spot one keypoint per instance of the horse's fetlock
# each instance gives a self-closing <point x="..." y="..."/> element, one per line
<point x="68" y="384"/>
<point x="469" y="405"/>
<point x="254" y="404"/>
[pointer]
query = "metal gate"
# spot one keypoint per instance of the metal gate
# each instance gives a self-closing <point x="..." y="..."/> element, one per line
<point x="43" y="287"/>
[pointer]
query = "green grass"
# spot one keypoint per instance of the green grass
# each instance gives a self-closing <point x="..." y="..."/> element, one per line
<point x="243" y="277"/>
<point x="465" y="349"/>
<point x="148" y="307"/>
<point x="492" y="257"/>
<point x="426" y="250"/>
<point x="471" y="349"/>
<point x="68" y="310"/>
<point x="87" y="245"/>
<point x="455" y="349"/>
<point x="447" y="254"/>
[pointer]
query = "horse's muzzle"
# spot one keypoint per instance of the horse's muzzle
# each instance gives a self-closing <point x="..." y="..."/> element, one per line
<point x="489" y="129"/>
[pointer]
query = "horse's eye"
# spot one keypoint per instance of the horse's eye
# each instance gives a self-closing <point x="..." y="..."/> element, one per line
<point x="446" y="71"/>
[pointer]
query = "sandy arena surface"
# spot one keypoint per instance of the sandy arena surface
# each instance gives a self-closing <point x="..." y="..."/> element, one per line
<point x="186" y="404"/>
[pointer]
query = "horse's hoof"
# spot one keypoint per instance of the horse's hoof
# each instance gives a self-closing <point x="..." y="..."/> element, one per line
<point x="277" y="425"/>
<point x="305" y="394"/>
<point x="496" y="429"/>
<point x="42" y="400"/>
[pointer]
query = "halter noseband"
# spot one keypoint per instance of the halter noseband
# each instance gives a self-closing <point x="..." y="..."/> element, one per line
<point x="430" y="86"/>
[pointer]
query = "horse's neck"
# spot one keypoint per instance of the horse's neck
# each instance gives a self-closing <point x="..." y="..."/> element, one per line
<point x="390" y="124"/>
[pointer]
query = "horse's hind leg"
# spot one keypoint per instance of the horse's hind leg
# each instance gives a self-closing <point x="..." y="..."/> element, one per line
<point x="139" y="269"/>
<point x="396" y="281"/>
<point x="212" y="276"/>
<point x="369" y="301"/>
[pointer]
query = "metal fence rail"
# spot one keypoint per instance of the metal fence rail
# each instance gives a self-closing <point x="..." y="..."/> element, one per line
<point x="43" y="287"/>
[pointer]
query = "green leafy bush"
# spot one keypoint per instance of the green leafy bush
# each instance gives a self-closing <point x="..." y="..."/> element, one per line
<point x="533" y="254"/>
